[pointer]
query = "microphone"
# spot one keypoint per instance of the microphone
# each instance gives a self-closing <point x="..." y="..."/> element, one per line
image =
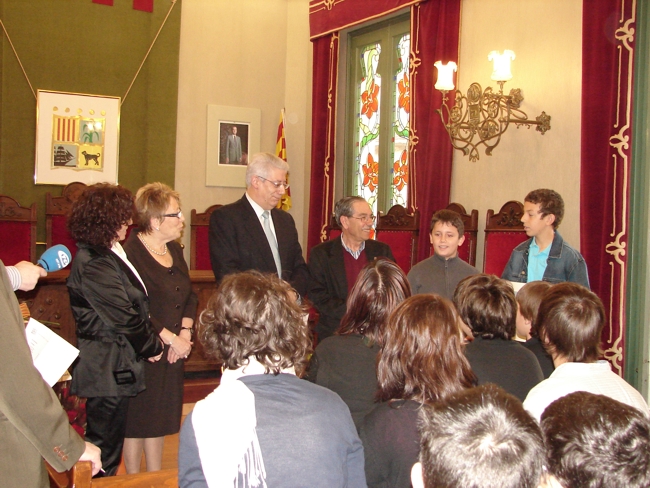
<point x="55" y="258"/>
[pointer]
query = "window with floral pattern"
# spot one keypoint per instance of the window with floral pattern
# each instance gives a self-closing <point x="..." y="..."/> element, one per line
<point x="378" y="115"/>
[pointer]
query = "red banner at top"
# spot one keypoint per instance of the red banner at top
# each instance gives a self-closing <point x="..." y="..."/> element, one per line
<point x="326" y="16"/>
<point x="144" y="5"/>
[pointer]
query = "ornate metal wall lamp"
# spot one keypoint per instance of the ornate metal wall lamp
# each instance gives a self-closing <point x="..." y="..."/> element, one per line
<point x="482" y="116"/>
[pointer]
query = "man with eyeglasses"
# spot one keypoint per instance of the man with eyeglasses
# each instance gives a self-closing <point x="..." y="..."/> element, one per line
<point x="334" y="265"/>
<point x="252" y="233"/>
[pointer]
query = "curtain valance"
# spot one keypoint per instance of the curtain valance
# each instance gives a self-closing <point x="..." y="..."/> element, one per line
<point x="327" y="16"/>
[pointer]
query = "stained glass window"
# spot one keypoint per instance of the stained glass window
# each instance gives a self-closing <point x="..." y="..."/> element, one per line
<point x="368" y="125"/>
<point x="378" y="115"/>
<point x="401" y="111"/>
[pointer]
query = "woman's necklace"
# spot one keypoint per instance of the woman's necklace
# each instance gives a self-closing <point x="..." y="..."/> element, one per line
<point x="153" y="251"/>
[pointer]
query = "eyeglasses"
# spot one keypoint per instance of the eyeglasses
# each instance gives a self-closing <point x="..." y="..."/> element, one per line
<point x="364" y="218"/>
<point x="178" y="214"/>
<point x="276" y="184"/>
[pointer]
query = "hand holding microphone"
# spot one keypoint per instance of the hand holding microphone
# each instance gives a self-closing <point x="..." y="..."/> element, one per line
<point x="53" y="259"/>
<point x="29" y="274"/>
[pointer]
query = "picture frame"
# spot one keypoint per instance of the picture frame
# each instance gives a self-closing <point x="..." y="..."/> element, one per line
<point x="222" y="144"/>
<point x="77" y="138"/>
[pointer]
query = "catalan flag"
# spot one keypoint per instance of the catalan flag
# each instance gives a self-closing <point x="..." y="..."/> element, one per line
<point x="281" y="152"/>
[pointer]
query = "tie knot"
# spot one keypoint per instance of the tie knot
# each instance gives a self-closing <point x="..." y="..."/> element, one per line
<point x="266" y="214"/>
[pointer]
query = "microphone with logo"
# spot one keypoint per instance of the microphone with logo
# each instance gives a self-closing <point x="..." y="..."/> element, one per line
<point x="55" y="258"/>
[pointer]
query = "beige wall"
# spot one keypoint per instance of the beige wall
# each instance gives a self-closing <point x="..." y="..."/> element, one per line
<point x="253" y="54"/>
<point x="546" y="37"/>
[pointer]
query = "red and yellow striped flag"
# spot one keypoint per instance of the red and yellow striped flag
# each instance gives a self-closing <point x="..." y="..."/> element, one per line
<point x="281" y="152"/>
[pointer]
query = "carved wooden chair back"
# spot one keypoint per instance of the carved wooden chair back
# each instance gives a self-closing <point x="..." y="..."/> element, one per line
<point x="17" y="231"/>
<point x="333" y="229"/>
<point x="400" y="229"/>
<point x="199" y="245"/>
<point x="56" y="216"/>
<point x="503" y="232"/>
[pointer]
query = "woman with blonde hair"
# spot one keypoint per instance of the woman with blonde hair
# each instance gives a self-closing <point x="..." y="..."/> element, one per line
<point x="153" y="250"/>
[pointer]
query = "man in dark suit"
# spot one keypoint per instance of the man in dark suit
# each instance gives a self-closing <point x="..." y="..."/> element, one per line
<point x="252" y="233"/>
<point x="335" y="264"/>
<point x="33" y="425"/>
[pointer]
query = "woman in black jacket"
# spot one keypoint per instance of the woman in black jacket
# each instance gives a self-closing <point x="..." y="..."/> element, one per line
<point x="111" y="310"/>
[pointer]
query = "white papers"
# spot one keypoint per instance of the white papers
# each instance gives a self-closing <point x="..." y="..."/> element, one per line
<point x="51" y="353"/>
<point x="516" y="286"/>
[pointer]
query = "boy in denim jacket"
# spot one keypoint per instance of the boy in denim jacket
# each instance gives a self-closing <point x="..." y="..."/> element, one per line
<point x="545" y="256"/>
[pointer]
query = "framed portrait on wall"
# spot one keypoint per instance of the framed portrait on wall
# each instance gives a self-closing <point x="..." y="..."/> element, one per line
<point x="77" y="138"/>
<point x="233" y="143"/>
<point x="233" y="134"/>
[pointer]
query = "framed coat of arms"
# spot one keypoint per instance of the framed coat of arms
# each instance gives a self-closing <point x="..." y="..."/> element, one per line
<point x="77" y="138"/>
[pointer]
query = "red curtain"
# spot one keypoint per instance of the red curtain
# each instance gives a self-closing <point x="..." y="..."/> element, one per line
<point x="607" y="56"/>
<point x="435" y="28"/>
<point x="435" y="31"/>
<point x="325" y="70"/>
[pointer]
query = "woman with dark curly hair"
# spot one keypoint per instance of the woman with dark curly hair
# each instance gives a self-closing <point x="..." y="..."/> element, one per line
<point x="420" y="362"/>
<point x="264" y="426"/>
<point x="153" y="250"/>
<point x="111" y="310"/>
<point x="345" y="362"/>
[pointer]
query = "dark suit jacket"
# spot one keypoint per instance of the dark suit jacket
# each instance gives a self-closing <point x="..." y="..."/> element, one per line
<point x="238" y="243"/>
<point x="328" y="286"/>
<point x="32" y="423"/>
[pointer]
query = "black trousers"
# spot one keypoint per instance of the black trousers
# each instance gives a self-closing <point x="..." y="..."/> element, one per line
<point x="106" y="425"/>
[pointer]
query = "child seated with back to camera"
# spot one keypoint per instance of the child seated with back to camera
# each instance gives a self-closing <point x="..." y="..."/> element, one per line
<point x="570" y="322"/>
<point x="488" y="306"/>
<point x="528" y="299"/>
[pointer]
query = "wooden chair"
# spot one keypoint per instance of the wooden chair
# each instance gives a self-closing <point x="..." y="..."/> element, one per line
<point x="17" y="231"/>
<point x="503" y="232"/>
<point x="333" y="229"/>
<point x="400" y="231"/>
<point x="466" y="252"/>
<point x="199" y="245"/>
<point x="163" y="478"/>
<point x="80" y="476"/>
<point x="56" y="216"/>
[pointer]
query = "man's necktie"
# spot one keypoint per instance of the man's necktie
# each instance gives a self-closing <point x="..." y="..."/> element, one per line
<point x="272" y="242"/>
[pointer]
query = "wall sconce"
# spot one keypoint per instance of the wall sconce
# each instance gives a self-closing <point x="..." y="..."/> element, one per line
<point x="481" y="116"/>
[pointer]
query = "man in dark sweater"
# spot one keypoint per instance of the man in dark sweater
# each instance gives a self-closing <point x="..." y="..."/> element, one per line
<point x="442" y="272"/>
<point x="335" y="264"/>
